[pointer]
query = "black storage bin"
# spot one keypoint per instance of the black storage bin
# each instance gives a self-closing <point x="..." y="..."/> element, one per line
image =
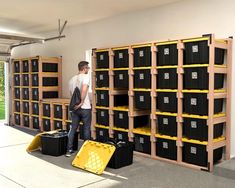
<point x="121" y="58"/>
<point x="68" y="124"/>
<point x="121" y="136"/>
<point x="25" y="79"/>
<point x="25" y="121"/>
<point x="102" y="60"/>
<point x="166" y="148"/>
<point x="46" y="110"/>
<point x="121" y="120"/>
<point x="142" y="100"/>
<point x="102" y="98"/>
<point x="16" y="67"/>
<point x="17" y="106"/>
<point x="35" y="94"/>
<point x="198" y="53"/>
<point x="102" y="79"/>
<point x="197" y="129"/>
<point x="121" y="100"/>
<point x="54" y="144"/>
<point x="25" y="66"/>
<point x="50" y="81"/>
<point x="167" y="55"/>
<point x="26" y="107"/>
<point x="34" y="79"/>
<point x="102" y="135"/>
<point x="102" y="117"/>
<point x="34" y="63"/>
<point x="167" y="125"/>
<point x="50" y="94"/>
<point x="35" y="108"/>
<point x="142" y="79"/>
<point x="197" y="154"/>
<point x="123" y="155"/>
<point x="167" y="79"/>
<point x="198" y="78"/>
<point x="17" y="80"/>
<point x="142" y="57"/>
<point x="49" y="67"/>
<point x="197" y="103"/>
<point x="25" y="93"/>
<point x="68" y="113"/>
<point x="17" y="93"/>
<point x="167" y="102"/>
<point x="142" y="143"/>
<point x="17" y="119"/>
<point x="121" y="79"/>
<point x="35" y="122"/>
<point x="58" y="111"/>
<point x="46" y="124"/>
<point x="58" y="124"/>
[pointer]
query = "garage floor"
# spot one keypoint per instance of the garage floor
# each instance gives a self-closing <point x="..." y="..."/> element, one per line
<point x="20" y="169"/>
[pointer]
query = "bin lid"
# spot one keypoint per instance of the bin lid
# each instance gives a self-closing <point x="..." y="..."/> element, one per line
<point x="93" y="156"/>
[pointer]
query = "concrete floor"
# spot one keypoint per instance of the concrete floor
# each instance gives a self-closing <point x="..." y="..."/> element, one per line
<point x="20" y="169"/>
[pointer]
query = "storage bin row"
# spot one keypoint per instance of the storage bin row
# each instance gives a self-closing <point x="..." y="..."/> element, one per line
<point x="32" y="65"/>
<point x="25" y="106"/>
<point x="165" y="148"/>
<point x="46" y="81"/>
<point x="102" y="99"/>
<point x="193" y="103"/>
<point x="23" y="93"/>
<point x="195" y="52"/>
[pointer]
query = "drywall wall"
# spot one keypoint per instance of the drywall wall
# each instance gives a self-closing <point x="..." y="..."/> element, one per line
<point x="183" y="19"/>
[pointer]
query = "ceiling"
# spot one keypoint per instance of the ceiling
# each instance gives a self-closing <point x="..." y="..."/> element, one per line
<point x="38" y="17"/>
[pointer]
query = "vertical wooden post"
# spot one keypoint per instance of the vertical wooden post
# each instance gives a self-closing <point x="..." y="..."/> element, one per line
<point x="153" y="98"/>
<point x="111" y="94"/>
<point x="180" y="47"/>
<point x="59" y="77"/>
<point x="211" y="102"/>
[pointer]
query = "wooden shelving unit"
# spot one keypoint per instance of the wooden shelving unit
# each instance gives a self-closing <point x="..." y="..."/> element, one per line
<point x="34" y="79"/>
<point x="182" y="150"/>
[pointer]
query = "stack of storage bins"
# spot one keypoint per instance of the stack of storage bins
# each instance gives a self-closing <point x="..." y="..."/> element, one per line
<point x="102" y="95"/>
<point x="34" y="79"/>
<point x="195" y="102"/>
<point x="167" y="85"/>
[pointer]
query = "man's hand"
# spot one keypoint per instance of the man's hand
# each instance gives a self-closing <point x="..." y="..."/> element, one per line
<point x="77" y="106"/>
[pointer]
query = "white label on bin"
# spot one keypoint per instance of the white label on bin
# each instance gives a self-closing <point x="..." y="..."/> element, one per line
<point x="195" y="48"/>
<point x="46" y="122"/>
<point x="17" y="92"/>
<point x="141" y="53"/>
<point x="101" y="77"/>
<point x="57" y="125"/>
<point x="141" y="140"/>
<point x="165" y="145"/>
<point x="120" y="115"/>
<point x="102" y="96"/>
<point x="194" y="101"/>
<point x="47" y="107"/>
<point x="120" y="55"/>
<point x="17" y="104"/>
<point x="16" y="78"/>
<point x="35" y="78"/>
<point x="17" y="117"/>
<point x="35" y="106"/>
<point x="101" y="133"/>
<point x="194" y="75"/>
<point x="166" y="100"/>
<point x="35" y="92"/>
<point x="193" y="150"/>
<point x="193" y="124"/>
<point x="102" y="113"/>
<point x="141" y="76"/>
<point x="165" y="121"/>
<point x="120" y="136"/>
<point x="166" y="76"/>
<point x="166" y="51"/>
<point x="25" y="64"/>
<point x="120" y="76"/>
<point x="25" y="92"/>
<point x="57" y="108"/>
<point x="26" y="78"/>
<point x="141" y="98"/>
<point x="101" y="57"/>
<point x="17" y="65"/>
<point x="35" y="120"/>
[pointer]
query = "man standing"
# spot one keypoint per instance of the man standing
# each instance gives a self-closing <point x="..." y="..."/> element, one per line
<point x="82" y="81"/>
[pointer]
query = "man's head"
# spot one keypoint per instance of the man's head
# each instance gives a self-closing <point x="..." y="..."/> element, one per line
<point x="83" y="67"/>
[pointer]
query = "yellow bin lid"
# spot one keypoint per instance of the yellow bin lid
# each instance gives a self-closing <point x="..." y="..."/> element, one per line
<point x="93" y="156"/>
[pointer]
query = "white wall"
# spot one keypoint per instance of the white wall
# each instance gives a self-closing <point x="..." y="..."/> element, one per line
<point x="183" y="19"/>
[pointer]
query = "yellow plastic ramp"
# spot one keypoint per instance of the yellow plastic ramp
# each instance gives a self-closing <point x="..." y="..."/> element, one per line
<point x="93" y="156"/>
<point x="36" y="142"/>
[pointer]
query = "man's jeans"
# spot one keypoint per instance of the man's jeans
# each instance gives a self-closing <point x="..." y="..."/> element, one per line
<point x="83" y="115"/>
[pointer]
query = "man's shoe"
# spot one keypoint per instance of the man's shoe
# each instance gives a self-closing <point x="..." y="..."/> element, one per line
<point x="69" y="153"/>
